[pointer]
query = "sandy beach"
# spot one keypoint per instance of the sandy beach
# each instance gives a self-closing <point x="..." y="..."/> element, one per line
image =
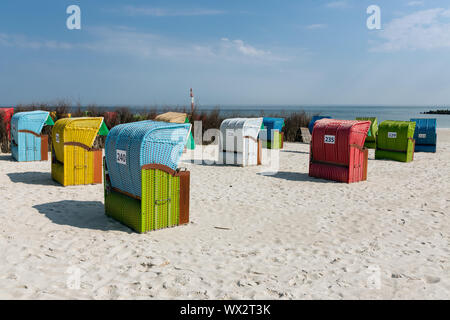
<point x="251" y="236"/>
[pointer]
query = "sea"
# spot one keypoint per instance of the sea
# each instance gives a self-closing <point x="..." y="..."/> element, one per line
<point x="337" y="112"/>
<point x="343" y="112"/>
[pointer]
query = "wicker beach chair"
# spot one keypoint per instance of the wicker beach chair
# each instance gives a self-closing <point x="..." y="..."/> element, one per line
<point x="178" y="117"/>
<point x="395" y="141"/>
<point x="6" y="114"/>
<point x="27" y="142"/>
<point x="313" y="121"/>
<point x="144" y="188"/>
<point x="425" y="135"/>
<point x="74" y="160"/>
<point x="239" y="143"/>
<point x="371" y="140"/>
<point x="274" y="137"/>
<point x="337" y="150"/>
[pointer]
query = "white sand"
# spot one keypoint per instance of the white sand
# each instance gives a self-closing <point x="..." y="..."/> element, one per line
<point x="288" y="236"/>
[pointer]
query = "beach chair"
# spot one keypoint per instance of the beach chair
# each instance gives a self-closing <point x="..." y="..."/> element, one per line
<point x="144" y="187"/>
<point x="178" y="117"/>
<point x="274" y="136"/>
<point x="6" y="115"/>
<point x="110" y="118"/>
<point x="395" y="141"/>
<point x="425" y="135"/>
<point x="337" y="150"/>
<point x="371" y="140"/>
<point x="239" y="143"/>
<point x="27" y="142"/>
<point x="74" y="159"/>
<point x="306" y="135"/>
<point x="313" y="121"/>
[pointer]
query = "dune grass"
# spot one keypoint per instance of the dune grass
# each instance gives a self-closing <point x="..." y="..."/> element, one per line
<point x="210" y="119"/>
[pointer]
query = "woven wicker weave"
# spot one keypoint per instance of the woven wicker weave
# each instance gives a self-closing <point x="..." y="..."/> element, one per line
<point x="143" y="142"/>
<point x="395" y="141"/>
<point x="240" y="136"/>
<point x="141" y="164"/>
<point x="7" y="114"/>
<point x="172" y="117"/>
<point x="425" y="135"/>
<point x="75" y="162"/>
<point x="371" y="140"/>
<point x="26" y="138"/>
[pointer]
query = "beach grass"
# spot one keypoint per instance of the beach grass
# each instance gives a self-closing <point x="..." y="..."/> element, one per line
<point x="210" y="119"/>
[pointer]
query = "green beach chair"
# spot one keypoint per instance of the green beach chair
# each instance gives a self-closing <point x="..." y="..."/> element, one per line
<point x="371" y="140"/>
<point x="395" y="141"/>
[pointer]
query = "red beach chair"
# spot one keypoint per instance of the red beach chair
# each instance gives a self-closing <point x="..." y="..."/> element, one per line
<point x="337" y="150"/>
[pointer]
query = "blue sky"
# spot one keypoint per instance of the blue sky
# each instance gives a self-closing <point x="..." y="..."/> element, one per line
<point x="232" y="52"/>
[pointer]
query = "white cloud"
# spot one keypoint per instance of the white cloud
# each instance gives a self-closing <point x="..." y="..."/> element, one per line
<point x="21" y="41"/>
<point x="337" y="4"/>
<point x="162" y="12"/>
<point x="316" y="26"/>
<point x="415" y="3"/>
<point x="127" y="41"/>
<point x="245" y="49"/>
<point x="422" y="30"/>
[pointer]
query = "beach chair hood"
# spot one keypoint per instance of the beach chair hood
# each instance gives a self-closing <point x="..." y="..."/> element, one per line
<point x="130" y="146"/>
<point x="425" y="132"/>
<point x="239" y="128"/>
<point x="373" y="131"/>
<point x="394" y="135"/>
<point x="272" y="124"/>
<point x="81" y="131"/>
<point x="333" y="138"/>
<point x="32" y="121"/>
<point x="172" y="117"/>
<point x="7" y="114"/>
<point x="337" y="151"/>
<point x="313" y="121"/>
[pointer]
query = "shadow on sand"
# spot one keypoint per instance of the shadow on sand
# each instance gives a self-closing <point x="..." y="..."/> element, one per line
<point x="293" y="151"/>
<point x="80" y="214"/>
<point x="207" y="163"/>
<point x="7" y="157"/>
<point x="296" y="176"/>
<point x="36" y="178"/>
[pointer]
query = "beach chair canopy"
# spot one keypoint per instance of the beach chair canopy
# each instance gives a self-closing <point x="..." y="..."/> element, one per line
<point x="6" y="114"/>
<point x="30" y="121"/>
<point x="373" y="131"/>
<point x="425" y="132"/>
<point x="233" y="131"/>
<point x="313" y="121"/>
<point x="272" y="124"/>
<point x="178" y="117"/>
<point x="130" y="146"/>
<point x="173" y="117"/>
<point x="76" y="131"/>
<point x="332" y="139"/>
<point x="395" y="135"/>
<point x="110" y="116"/>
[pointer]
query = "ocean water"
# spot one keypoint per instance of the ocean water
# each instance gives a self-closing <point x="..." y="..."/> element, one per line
<point x="343" y="112"/>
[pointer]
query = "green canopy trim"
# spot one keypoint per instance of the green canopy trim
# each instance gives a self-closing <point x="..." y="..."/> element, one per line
<point x="49" y="121"/>
<point x="190" y="144"/>
<point x="103" y="130"/>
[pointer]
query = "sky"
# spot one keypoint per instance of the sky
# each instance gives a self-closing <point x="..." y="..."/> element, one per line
<point x="231" y="52"/>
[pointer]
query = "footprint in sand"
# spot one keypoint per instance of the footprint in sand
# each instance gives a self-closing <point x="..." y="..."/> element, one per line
<point x="431" y="279"/>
